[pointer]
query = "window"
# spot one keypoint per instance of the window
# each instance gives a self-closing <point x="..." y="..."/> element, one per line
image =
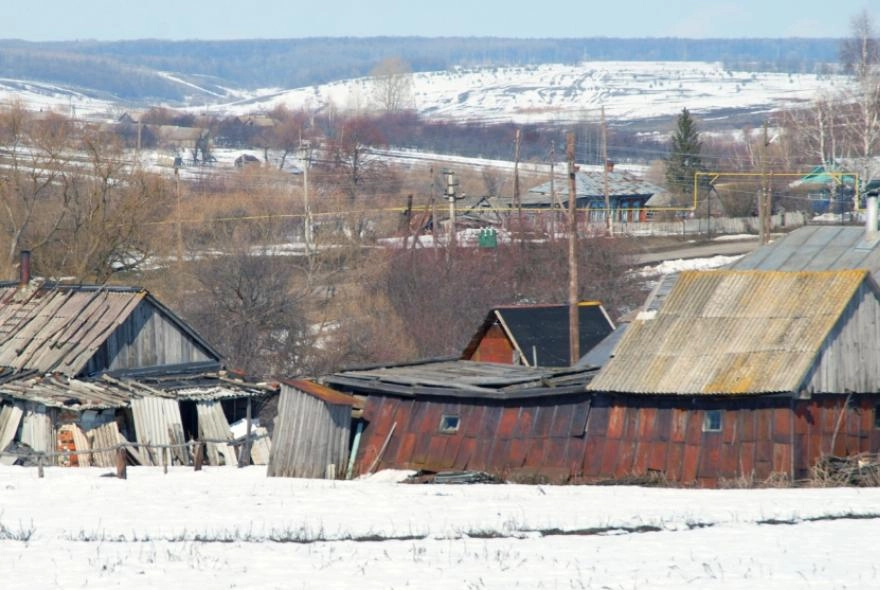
<point x="449" y="423"/>
<point x="877" y="416"/>
<point x="712" y="421"/>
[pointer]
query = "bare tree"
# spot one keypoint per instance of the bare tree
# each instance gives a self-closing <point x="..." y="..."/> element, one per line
<point x="70" y="197"/>
<point x="860" y="55"/>
<point x="350" y="165"/>
<point x="393" y="85"/>
<point x="288" y="133"/>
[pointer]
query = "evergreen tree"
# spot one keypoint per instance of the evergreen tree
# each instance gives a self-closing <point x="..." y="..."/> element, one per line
<point x="684" y="159"/>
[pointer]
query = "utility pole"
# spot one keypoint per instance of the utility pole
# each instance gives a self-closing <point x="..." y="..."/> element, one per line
<point x="763" y="204"/>
<point x="609" y="222"/>
<point x="179" y="228"/>
<point x="306" y="157"/>
<point x="450" y="195"/>
<point x="553" y="183"/>
<point x="516" y="199"/>
<point x="573" y="327"/>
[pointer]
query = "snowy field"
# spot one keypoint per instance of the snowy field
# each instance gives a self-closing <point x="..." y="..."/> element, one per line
<point x="629" y="90"/>
<point x="235" y="528"/>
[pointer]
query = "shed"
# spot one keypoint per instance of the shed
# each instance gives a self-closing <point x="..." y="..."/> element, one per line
<point x="743" y="375"/>
<point x="522" y="423"/>
<point x="96" y="361"/>
<point x="312" y="431"/>
<point x="536" y="335"/>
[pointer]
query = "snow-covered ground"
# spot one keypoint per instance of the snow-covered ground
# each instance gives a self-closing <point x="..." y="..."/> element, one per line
<point x="628" y="90"/>
<point x="236" y="528"/>
<point x="682" y="264"/>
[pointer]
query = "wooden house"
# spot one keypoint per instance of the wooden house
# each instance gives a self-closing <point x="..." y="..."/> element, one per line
<point x="627" y="194"/>
<point x="741" y="375"/>
<point x="536" y="335"/>
<point x="110" y="363"/>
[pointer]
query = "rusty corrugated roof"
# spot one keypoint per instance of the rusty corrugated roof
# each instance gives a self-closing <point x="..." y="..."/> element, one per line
<point x="732" y="332"/>
<point x="324" y="393"/>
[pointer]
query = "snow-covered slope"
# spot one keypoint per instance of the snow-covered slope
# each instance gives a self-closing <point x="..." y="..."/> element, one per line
<point x="561" y="93"/>
<point x="39" y="96"/>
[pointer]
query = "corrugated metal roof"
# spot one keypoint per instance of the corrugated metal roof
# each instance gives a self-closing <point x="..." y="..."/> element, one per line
<point x="592" y="184"/>
<point x="59" y="391"/>
<point x="731" y="332"/>
<point x="325" y="394"/>
<point x="815" y="247"/>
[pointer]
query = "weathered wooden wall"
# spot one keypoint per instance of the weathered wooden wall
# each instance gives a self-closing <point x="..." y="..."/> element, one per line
<point x="577" y="438"/>
<point x="495" y="347"/>
<point x="310" y="435"/>
<point x="146" y="339"/>
<point x="849" y="360"/>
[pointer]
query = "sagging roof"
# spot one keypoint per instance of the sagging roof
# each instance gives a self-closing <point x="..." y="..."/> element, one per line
<point x="60" y="391"/>
<point x="732" y="332"/>
<point x="539" y="333"/>
<point x="57" y="328"/>
<point x="816" y="247"/>
<point x="462" y="379"/>
<point x="591" y="184"/>
<point x="104" y="392"/>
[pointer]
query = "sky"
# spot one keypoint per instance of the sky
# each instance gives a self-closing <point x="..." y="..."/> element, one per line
<point x="234" y="19"/>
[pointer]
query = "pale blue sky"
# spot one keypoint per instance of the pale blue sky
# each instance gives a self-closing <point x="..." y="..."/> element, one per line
<point x="40" y="20"/>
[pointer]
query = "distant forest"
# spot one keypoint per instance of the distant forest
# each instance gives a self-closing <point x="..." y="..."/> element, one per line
<point x="129" y="70"/>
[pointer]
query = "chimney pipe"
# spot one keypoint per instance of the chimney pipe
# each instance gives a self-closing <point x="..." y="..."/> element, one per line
<point x="871" y="219"/>
<point x="609" y="165"/>
<point x="24" y="269"/>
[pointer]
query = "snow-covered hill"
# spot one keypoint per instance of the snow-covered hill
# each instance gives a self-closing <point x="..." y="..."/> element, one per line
<point x="557" y="93"/>
<point x="629" y="91"/>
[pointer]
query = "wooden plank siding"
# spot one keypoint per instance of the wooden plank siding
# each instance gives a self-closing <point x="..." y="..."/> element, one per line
<point x="146" y="339"/>
<point x="494" y="347"/>
<point x="310" y="436"/>
<point x="590" y="438"/>
<point x="849" y="360"/>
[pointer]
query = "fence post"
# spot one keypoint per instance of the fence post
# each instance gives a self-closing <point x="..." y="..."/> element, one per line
<point x="165" y="452"/>
<point x="199" y="456"/>
<point x="40" y="473"/>
<point x="121" y="472"/>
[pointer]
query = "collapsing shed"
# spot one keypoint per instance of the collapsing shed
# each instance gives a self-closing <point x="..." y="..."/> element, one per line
<point x="88" y="366"/>
<point x="517" y="422"/>
<point x="312" y="431"/>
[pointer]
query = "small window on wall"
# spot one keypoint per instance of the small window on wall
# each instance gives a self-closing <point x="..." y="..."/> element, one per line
<point x="712" y="421"/>
<point x="449" y="423"/>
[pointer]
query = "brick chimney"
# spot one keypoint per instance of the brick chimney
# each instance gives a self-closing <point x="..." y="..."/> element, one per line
<point x="24" y="269"/>
<point x="609" y="165"/>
